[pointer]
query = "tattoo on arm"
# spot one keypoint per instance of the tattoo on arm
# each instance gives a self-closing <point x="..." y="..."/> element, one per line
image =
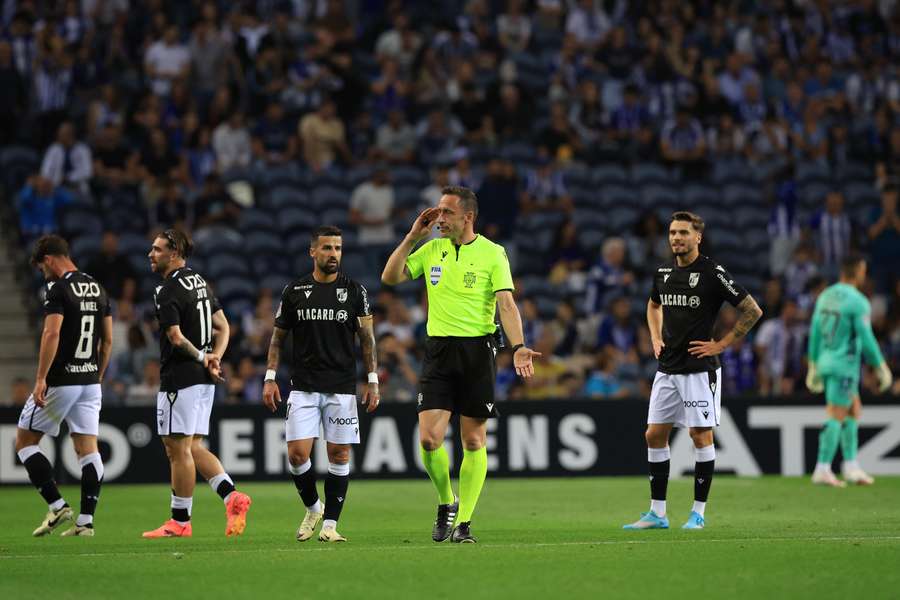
<point x="750" y="312"/>
<point x="187" y="347"/>
<point x="275" y="348"/>
<point x="367" y="342"/>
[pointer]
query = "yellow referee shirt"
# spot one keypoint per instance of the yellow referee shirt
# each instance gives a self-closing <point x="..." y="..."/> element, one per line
<point x="462" y="282"/>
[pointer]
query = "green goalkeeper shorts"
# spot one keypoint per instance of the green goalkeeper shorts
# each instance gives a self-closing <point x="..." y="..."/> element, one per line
<point x="840" y="390"/>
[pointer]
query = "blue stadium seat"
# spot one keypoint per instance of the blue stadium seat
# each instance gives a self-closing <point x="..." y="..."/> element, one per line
<point x="78" y="221"/>
<point x="859" y="193"/>
<point x="356" y="264"/>
<point x="84" y="247"/>
<point x="855" y="171"/>
<point x="756" y="240"/>
<point x="617" y="195"/>
<point x="288" y="174"/>
<point x="231" y="288"/>
<point x="608" y="174"/>
<point x="698" y="194"/>
<point x="127" y="220"/>
<point x="336" y="216"/>
<point x="577" y="175"/>
<point x="731" y="171"/>
<point x="519" y="153"/>
<point x="132" y="243"/>
<point x="655" y="194"/>
<point x="643" y="173"/>
<point x="812" y="194"/>
<point x="235" y="308"/>
<point x="216" y="240"/>
<point x="275" y="283"/>
<point x="256" y="219"/>
<point x="219" y="266"/>
<point x="328" y="196"/>
<point x="751" y="217"/>
<point x="622" y="217"/>
<point x="262" y="243"/>
<point x="739" y="194"/>
<point x="591" y="239"/>
<point x="407" y="196"/>
<point x="296" y="218"/>
<point x="813" y="171"/>
<point x="283" y="196"/>
<point x="407" y="175"/>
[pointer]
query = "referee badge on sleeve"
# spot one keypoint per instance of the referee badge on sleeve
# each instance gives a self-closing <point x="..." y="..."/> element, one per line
<point x="435" y="274"/>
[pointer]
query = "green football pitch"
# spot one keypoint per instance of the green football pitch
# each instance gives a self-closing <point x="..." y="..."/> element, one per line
<point x="538" y="538"/>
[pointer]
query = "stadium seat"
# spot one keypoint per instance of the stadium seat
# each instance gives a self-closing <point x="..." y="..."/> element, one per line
<point x="695" y="194"/>
<point x="356" y="263"/>
<point x="739" y="194"/>
<point x="591" y="239"/>
<point x="256" y="219"/>
<point x="275" y="283"/>
<point x="577" y="175"/>
<point x="230" y="288"/>
<point x="339" y="217"/>
<point x="84" y="247"/>
<point x="260" y="242"/>
<point x="813" y="171"/>
<point x="283" y="196"/>
<point x="519" y="153"/>
<point x="288" y="175"/>
<point x="855" y="171"/>
<point x="297" y="218"/>
<point x="407" y="196"/>
<point x="617" y="195"/>
<point x="218" y="239"/>
<point x="235" y="308"/>
<point x="78" y="221"/>
<point x="125" y="220"/>
<point x="731" y="171"/>
<point x="859" y="193"/>
<point x="327" y="196"/>
<point x="219" y="266"/>
<point x="608" y="174"/>
<point x="750" y="217"/>
<point x="132" y="243"/>
<point x="812" y="194"/>
<point x="656" y="194"/>
<point x="622" y="218"/>
<point x="407" y="175"/>
<point x="644" y="173"/>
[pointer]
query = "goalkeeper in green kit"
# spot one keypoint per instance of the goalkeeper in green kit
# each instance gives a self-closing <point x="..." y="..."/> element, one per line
<point x="840" y="334"/>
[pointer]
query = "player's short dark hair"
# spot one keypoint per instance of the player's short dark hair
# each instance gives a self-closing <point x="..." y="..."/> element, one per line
<point x="467" y="198"/>
<point x="48" y="245"/>
<point x="324" y="231"/>
<point x="178" y="241"/>
<point x="696" y="221"/>
<point x="850" y="263"/>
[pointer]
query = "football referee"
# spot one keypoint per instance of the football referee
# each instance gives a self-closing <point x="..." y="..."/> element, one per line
<point x="467" y="276"/>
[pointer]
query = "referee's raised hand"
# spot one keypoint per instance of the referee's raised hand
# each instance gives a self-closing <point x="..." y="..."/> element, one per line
<point x="423" y="224"/>
<point x="522" y="361"/>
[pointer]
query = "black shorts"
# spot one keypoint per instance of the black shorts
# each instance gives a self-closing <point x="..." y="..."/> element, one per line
<point x="458" y="375"/>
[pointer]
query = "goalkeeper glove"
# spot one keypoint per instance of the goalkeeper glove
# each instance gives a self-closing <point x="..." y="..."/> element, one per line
<point x="884" y="377"/>
<point x="814" y="380"/>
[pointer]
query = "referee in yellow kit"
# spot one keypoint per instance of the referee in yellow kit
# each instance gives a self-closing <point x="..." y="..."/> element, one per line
<point x="467" y="275"/>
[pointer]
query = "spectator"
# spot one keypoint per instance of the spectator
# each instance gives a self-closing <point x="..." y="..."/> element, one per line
<point x="617" y="336"/>
<point x="396" y="139"/>
<point x="608" y="276"/>
<point x="438" y="136"/>
<point x="158" y="163"/>
<point x="567" y="257"/>
<point x="682" y="144"/>
<point x="19" y="392"/>
<point x="431" y="194"/>
<point x="739" y="369"/>
<point x="209" y="57"/>
<point x="545" y="384"/>
<point x="68" y="162"/>
<point x="512" y="116"/>
<point x="397" y="368"/>
<point x="273" y="141"/>
<point x="498" y="200"/>
<point x="400" y="43"/>
<point x="52" y="87"/>
<point x="784" y="222"/>
<point x="171" y="207"/>
<point x="559" y="139"/>
<point x="39" y="204"/>
<point x="470" y="109"/>
<point x="371" y="209"/>
<point x="884" y="238"/>
<point x="565" y="330"/>
<point x="781" y="344"/>
<point x="545" y="189"/>
<point x="113" y="270"/>
<point x="800" y="270"/>
<point x="166" y="61"/>
<point x="115" y="164"/>
<point x="232" y="144"/>
<point x="323" y="137"/>
<point x="15" y="95"/>
<point x="648" y="244"/>
<point x="588" y="24"/>
<point x="733" y="81"/>
<point x="833" y="232"/>
<point x="145" y="392"/>
<point x="214" y="206"/>
<point x="603" y="380"/>
<point x="514" y="28"/>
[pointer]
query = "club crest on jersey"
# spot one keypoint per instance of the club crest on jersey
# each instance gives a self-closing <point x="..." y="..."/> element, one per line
<point x="436" y="274"/>
<point x="694" y="279"/>
<point x="341" y="295"/>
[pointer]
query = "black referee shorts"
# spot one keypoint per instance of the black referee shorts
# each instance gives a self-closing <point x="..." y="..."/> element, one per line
<point x="458" y="375"/>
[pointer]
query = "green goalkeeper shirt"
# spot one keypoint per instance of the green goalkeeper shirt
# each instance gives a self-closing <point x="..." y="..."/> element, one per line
<point x="462" y="282"/>
<point x="841" y="332"/>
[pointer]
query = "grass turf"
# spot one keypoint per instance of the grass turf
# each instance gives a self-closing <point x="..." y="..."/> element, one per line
<point x="776" y="537"/>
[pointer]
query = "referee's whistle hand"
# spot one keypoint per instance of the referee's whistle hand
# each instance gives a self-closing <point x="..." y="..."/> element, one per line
<point x="271" y="395"/>
<point x="522" y="361"/>
<point x="424" y="222"/>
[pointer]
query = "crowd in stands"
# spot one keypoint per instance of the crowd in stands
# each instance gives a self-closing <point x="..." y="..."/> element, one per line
<point x="580" y="124"/>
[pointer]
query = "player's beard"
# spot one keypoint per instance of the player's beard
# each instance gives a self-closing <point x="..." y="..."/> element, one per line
<point x="329" y="268"/>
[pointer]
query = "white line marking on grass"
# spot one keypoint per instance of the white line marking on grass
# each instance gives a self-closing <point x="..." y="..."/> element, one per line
<point x="186" y="552"/>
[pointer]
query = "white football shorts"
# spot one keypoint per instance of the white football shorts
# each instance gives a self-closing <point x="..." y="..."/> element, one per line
<point x="185" y="412"/>
<point x="77" y="405"/>
<point x="686" y="400"/>
<point x="334" y="414"/>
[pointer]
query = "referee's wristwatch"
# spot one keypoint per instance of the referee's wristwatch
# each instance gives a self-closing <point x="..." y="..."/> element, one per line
<point x="516" y="348"/>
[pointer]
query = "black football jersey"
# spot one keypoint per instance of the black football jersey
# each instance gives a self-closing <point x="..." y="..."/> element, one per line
<point x="691" y="297"/>
<point x="184" y="299"/>
<point x="323" y="319"/>
<point x="83" y="303"/>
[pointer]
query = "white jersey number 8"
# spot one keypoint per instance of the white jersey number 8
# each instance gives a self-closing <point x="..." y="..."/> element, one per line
<point x="85" y="342"/>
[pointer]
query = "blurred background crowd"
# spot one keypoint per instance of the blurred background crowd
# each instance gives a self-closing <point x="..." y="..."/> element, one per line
<point x="581" y="125"/>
